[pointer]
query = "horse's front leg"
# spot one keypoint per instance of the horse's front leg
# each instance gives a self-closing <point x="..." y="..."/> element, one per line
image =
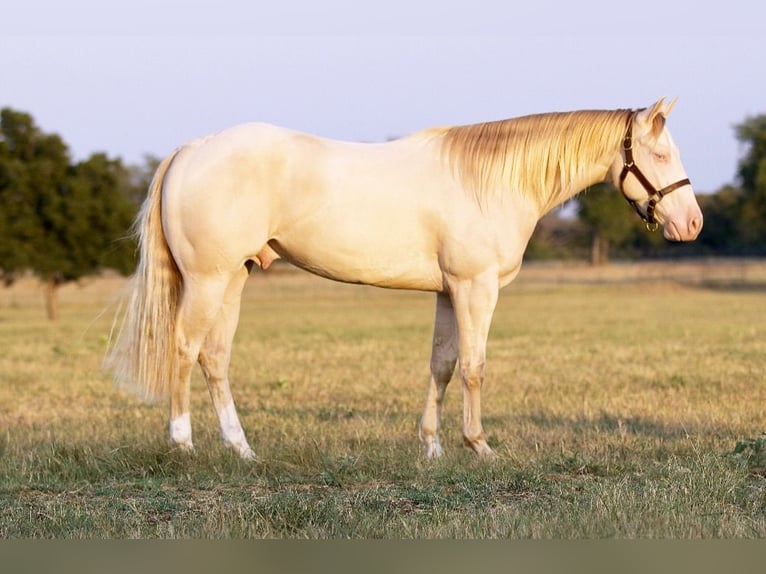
<point x="443" y="359"/>
<point x="474" y="302"/>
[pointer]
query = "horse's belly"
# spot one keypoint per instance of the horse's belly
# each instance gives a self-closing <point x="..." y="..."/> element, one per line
<point x="380" y="266"/>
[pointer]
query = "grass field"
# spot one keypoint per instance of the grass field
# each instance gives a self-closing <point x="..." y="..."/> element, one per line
<point x="624" y="401"/>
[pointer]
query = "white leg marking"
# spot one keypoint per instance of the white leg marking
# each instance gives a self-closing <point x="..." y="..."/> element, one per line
<point x="432" y="446"/>
<point x="180" y="431"/>
<point x="232" y="433"/>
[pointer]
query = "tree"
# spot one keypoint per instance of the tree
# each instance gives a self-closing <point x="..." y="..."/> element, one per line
<point x="603" y="212"/>
<point x="557" y="236"/>
<point x="100" y="209"/>
<point x="721" y="233"/>
<point x="60" y="221"/>
<point x="33" y="169"/>
<point x="752" y="176"/>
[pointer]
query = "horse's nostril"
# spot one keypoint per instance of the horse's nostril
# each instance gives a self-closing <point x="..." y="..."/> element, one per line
<point x="695" y="225"/>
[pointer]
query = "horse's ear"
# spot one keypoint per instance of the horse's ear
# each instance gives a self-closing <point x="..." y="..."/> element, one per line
<point x="660" y="108"/>
<point x="655" y="115"/>
<point x="657" y="109"/>
<point x="669" y="107"/>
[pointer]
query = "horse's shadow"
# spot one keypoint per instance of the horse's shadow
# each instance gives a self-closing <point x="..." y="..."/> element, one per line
<point x="611" y="423"/>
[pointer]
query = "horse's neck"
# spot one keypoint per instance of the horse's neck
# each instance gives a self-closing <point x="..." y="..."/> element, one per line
<point x="593" y="174"/>
<point x="546" y="159"/>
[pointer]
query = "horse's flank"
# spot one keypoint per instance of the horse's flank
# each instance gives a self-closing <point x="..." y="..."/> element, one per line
<point x="541" y="156"/>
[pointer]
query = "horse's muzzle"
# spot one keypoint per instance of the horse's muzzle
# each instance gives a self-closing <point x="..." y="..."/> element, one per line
<point x="683" y="228"/>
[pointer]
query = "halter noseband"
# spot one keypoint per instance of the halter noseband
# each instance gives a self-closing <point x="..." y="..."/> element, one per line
<point x="655" y="195"/>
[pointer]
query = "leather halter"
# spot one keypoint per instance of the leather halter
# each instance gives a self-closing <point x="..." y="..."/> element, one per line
<point x="655" y="195"/>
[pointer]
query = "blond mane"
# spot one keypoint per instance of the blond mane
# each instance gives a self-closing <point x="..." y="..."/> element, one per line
<point x="539" y="156"/>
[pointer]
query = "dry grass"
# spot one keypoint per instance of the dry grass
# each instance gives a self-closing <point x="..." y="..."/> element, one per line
<point x="614" y="397"/>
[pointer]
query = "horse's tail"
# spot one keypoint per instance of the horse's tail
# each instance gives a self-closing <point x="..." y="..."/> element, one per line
<point x="143" y="356"/>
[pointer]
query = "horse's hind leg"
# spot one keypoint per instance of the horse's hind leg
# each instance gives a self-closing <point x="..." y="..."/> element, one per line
<point x="201" y="302"/>
<point x="214" y="359"/>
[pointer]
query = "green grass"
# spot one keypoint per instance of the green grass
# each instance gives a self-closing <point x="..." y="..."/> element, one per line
<point x="618" y="408"/>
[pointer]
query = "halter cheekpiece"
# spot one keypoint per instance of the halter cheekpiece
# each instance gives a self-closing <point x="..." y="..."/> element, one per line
<point x="629" y="166"/>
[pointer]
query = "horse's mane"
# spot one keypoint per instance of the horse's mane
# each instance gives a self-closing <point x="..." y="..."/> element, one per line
<point x="537" y="155"/>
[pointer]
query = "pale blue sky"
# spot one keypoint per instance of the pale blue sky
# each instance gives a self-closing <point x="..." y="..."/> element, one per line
<point x="137" y="77"/>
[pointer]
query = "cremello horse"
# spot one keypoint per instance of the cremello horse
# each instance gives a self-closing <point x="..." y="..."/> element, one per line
<point x="448" y="210"/>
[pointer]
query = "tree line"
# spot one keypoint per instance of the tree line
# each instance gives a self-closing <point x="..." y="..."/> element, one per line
<point x="62" y="219"/>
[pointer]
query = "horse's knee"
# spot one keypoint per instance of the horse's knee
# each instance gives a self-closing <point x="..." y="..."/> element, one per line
<point x="472" y="375"/>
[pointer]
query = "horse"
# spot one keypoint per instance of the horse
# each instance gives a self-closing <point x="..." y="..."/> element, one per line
<point x="447" y="210"/>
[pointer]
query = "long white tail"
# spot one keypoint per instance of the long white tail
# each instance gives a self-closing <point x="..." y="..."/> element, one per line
<point x="143" y="357"/>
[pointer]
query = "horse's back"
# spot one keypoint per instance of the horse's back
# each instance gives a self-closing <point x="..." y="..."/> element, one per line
<point x="350" y="211"/>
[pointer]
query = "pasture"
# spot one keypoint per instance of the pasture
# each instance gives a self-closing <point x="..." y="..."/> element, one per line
<point x="624" y="401"/>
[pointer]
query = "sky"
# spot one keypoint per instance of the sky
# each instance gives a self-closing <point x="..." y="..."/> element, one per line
<point x="139" y="77"/>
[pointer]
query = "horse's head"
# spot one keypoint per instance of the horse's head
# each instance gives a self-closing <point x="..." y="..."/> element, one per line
<point x="650" y="175"/>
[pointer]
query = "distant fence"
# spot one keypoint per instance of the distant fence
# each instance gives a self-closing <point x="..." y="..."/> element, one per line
<point x="729" y="273"/>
